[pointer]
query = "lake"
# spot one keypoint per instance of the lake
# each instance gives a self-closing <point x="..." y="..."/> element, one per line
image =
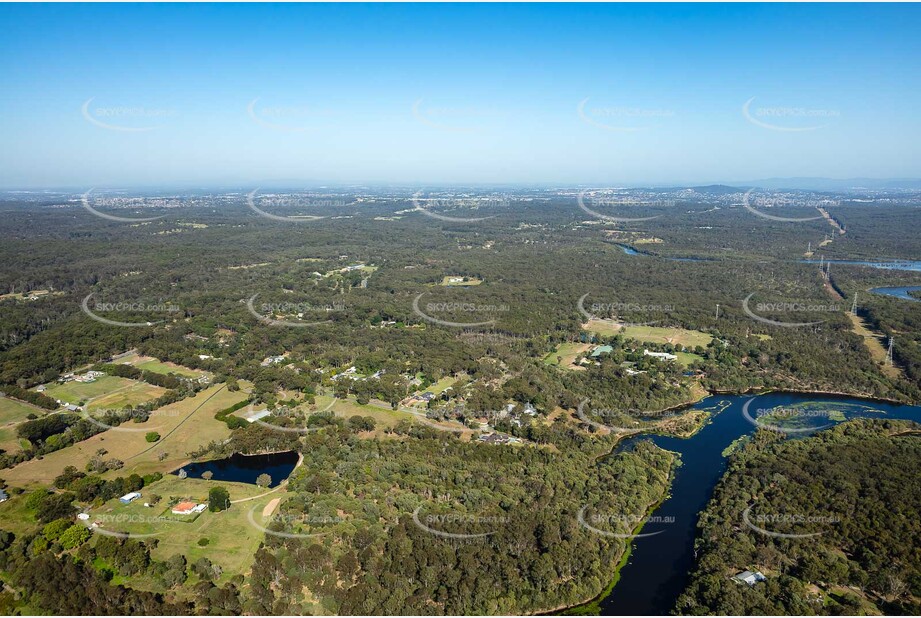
<point x="898" y="292"/>
<point x="246" y="468"/>
<point x="659" y="567"/>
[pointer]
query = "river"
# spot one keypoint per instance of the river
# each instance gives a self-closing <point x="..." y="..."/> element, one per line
<point x="660" y="565"/>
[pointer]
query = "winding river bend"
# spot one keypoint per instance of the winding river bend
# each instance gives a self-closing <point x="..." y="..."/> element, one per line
<point x="660" y="565"/>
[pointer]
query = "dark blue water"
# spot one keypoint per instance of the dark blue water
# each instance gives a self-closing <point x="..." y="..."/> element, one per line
<point x="245" y="468"/>
<point x="898" y="292"/>
<point x="631" y="251"/>
<point x="659" y="566"/>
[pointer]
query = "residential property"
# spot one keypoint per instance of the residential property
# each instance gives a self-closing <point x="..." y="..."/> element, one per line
<point x="272" y="360"/>
<point x="662" y="355"/>
<point x="129" y="498"/>
<point x="749" y="577"/>
<point x="601" y="349"/>
<point x="187" y="508"/>
<point x="89" y="377"/>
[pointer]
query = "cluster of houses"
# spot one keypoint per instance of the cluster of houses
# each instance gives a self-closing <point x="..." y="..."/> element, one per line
<point x="86" y="378"/>
<point x="272" y="360"/>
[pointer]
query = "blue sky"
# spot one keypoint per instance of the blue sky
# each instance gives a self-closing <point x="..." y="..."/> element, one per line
<point x="207" y="95"/>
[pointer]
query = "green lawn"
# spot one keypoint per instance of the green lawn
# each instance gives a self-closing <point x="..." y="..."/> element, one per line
<point x="568" y="352"/>
<point x="687" y="359"/>
<point x="232" y="538"/>
<point x="149" y="363"/>
<point x="13" y="411"/>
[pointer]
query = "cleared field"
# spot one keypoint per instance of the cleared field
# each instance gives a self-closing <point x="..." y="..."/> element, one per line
<point x="16" y="517"/>
<point x="875" y="344"/>
<point x="442" y="385"/>
<point x="9" y="442"/>
<point x="139" y="392"/>
<point x="566" y="354"/>
<point x="651" y="334"/>
<point x="107" y="392"/>
<point x="149" y="363"/>
<point x="232" y="539"/>
<point x="13" y="411"/>
<point x="457" y="281"/>
<point x="184" y="426"/>
<point x="687" y="359"/>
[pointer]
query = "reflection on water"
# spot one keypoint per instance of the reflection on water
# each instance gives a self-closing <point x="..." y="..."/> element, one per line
<point x="659" y="566"/>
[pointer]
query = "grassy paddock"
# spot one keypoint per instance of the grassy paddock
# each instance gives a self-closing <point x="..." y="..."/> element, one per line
<point x="184" y="426"/>
<point x="651" y="334"/>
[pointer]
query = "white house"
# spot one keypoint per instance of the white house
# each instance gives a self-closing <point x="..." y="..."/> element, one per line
<point x="750" y="577"/>
<point x="662" y="355"/>
<point x="128" y="498"/>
